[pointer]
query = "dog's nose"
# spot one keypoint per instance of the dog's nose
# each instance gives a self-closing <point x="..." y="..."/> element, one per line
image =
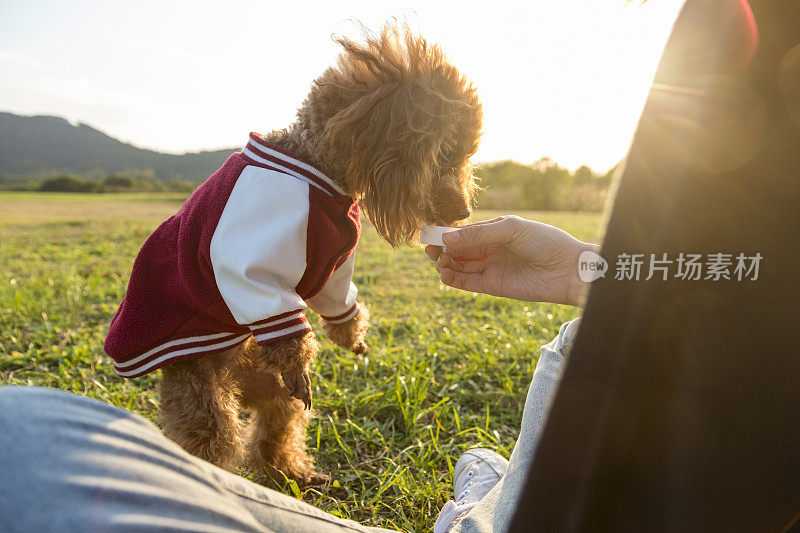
<point x="463" y="214"/>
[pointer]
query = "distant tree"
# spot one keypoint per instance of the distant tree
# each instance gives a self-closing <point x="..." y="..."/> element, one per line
<point x="583" y="176"/>
<point x="543" y="163"/>
<point x="181" y="186"/>
<point x="118" y="182"/>
<point x="67" y="183"/>
<point x="544" y="189"/>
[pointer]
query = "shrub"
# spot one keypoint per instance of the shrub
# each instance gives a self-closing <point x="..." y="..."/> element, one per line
<point x="117" y="182"/>
<point x="67" y="183"/>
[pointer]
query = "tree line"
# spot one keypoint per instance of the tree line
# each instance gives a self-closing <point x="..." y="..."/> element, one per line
<point x="543" y="185"/>
<point x="134" y="181"/>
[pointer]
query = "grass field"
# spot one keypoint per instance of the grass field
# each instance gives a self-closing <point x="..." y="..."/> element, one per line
<point x="446" y="370"/>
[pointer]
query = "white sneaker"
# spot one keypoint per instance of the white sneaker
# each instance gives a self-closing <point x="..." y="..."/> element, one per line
<point x="475" y="474"/>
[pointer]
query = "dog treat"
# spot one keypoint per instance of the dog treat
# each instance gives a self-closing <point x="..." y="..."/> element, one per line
<point x="433" y="234"/>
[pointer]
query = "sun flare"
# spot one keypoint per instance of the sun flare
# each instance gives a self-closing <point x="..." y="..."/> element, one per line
<point x="565" y="80"/>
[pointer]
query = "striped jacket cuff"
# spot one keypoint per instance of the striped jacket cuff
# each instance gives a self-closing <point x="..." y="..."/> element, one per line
<point x="177" y="349"/>
<point x="344" y="317"/>
<point x="280" y="327"/>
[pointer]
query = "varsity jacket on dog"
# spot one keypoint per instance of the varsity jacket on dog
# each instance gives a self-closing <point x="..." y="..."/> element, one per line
<point x="261" y="239"/>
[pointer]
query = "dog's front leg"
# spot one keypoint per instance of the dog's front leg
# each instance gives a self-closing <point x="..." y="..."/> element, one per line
<point x="272" y="377"/>
<point x="291" y="359"/>
<point x="350" y="334"/>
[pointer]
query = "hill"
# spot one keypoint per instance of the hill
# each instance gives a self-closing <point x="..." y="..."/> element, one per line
<point x="33" y="146"/>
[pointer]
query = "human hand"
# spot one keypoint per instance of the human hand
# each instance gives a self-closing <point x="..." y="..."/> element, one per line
<point x="513" y="257"/>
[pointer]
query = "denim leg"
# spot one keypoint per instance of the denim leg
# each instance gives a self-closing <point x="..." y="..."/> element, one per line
<point x="495" y="511"/>
<point x="70" y="463"/>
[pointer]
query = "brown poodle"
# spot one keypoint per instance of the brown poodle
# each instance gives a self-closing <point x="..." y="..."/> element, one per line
<point x="394" y="125"/>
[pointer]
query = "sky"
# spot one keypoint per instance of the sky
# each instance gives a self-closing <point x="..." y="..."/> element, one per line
<point x="564" y="79"/>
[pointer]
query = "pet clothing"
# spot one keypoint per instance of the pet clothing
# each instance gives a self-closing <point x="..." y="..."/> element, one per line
<point x="260" y="240"/>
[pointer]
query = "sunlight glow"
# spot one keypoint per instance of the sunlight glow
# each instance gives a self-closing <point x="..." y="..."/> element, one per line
<point x="560" y="79"/>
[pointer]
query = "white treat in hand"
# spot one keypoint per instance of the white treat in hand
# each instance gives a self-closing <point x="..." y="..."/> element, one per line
<point x="433" y="234"/>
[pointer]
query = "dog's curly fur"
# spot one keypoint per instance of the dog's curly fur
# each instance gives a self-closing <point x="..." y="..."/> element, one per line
<point x="395" y="125"/>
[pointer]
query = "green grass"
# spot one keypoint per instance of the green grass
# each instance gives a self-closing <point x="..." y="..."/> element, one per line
<point x="446" y="370"/>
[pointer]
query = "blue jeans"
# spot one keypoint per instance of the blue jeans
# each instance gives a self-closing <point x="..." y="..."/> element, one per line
<point x="70" y="463"/>
<point x="495" y="511"/>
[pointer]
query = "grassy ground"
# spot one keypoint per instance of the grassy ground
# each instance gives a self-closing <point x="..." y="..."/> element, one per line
<point x="446" y="371"/>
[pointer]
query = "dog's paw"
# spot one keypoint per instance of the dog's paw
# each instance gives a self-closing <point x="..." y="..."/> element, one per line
<point x="299" y="386"/>
<point x="350" y="334"/>
<point x="317" y="478"/>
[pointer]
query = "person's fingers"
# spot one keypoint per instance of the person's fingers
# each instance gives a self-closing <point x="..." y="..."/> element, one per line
<point x="462" y="280"/>
<point x="447" y="261"/>
<point x="478" y="236"/>
<point x="473" y="254"/>
<point x="444" y="261"/>
<point x="481" y="222"/>
<point x="433" y="252"/>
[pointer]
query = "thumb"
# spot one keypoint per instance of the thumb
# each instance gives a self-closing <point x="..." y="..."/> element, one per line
<point x="477" y="235"/>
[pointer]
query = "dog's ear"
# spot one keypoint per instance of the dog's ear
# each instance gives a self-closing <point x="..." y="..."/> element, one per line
<point x="392" y="140"/>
